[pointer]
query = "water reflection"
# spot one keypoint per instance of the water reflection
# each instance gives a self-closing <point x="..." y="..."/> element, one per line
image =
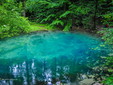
<point x="43" y="72"/>
<point x="49" y="58"/>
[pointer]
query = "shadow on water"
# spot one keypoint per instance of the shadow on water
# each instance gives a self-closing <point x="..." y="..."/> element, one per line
<point x="49" y="58"/>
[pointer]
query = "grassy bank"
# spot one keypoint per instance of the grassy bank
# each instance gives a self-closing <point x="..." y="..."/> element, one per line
<point x="40" y="27"/>
<point x="32" y="27"/>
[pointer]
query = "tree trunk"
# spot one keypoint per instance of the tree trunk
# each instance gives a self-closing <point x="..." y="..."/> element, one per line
<point x="24" y="8"/>
<point x="95" y="13"/>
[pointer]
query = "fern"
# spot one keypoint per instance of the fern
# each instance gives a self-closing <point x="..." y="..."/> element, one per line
<point x="68" y="26"/>
<point x="48" y="18"/>
<point x="57" y="22"/>
<point x="82" y="10"/>
<point x="53" y="5"/>
<point x="64" y="15"/>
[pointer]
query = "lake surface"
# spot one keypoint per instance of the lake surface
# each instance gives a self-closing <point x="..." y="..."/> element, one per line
<point x="49" y="57"/>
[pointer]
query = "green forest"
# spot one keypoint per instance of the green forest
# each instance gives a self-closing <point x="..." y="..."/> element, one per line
<point x="18" y="17"/>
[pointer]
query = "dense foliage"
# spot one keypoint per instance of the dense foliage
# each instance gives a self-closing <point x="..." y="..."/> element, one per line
<point x="68" y="13"/>
<point x="65" y="14"/>
<point x="107" y="36"/>
<point x="11" y="23"/>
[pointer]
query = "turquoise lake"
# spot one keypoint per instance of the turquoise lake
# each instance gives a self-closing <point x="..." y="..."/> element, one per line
<point x="44" y="58"/>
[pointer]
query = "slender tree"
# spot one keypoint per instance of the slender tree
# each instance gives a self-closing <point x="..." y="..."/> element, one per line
<point x="95" y="13"/>
<point x="24" y="8"/>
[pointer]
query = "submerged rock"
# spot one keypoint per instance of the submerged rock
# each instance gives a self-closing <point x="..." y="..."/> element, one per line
<point x="87" y="82"/>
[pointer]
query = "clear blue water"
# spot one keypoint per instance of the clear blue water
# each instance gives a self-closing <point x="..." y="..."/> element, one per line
<point x="46" y="56"/>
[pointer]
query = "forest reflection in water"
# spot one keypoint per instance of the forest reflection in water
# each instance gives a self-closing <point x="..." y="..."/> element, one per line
<point x="41" y="72"/>
<point x="49" y="58"/>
